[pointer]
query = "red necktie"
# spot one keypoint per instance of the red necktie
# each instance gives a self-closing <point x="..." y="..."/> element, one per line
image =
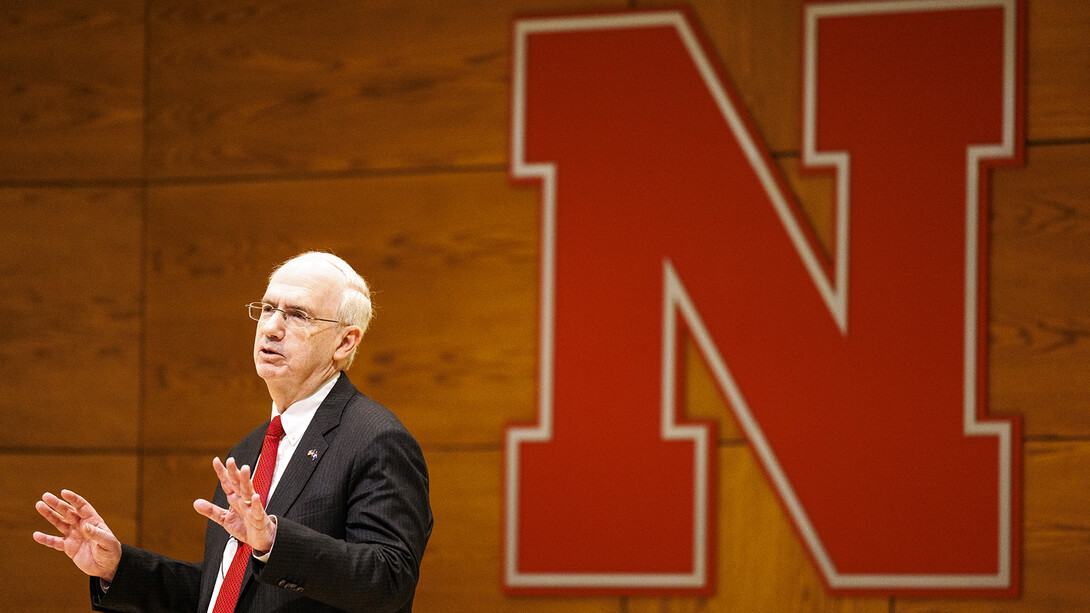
<point x="232" y="581"/>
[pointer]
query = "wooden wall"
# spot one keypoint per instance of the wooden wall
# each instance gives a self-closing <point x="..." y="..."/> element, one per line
<point x="157" y="157"/>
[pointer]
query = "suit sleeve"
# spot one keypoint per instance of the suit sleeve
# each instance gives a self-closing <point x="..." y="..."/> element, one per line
<point x="147" y="582"/>
<point x="388" y="522"/>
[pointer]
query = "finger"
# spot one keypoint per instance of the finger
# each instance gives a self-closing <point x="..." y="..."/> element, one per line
<point x="47" y="510"/>
<point x="246" y="484"/>
<point x="233" y="472"/>
<point x="209" y="510"/>
<point x="52" y="500"/>
<point x="82" y="507"/>
<point x="220" y="469"/>
<point x="257" y="510"/>
<point x="52" y="517"/>
<point x="233" y="502"/>
<point x="221" y="473"/>
<point x="60" y="507"/>
<point x="53" y="542"/>
<point x="234" y="475"/>
<point x="240" y="504"/>
<point x="240" y="482"/>
<point x="100" y="536"/>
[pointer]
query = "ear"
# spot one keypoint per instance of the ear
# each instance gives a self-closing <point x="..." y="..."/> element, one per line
<point x="350" y="338"/>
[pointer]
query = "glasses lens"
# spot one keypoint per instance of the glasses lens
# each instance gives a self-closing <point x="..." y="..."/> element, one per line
<point x="295" y="317"/>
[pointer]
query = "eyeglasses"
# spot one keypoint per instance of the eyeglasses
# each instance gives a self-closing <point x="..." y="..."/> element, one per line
<point x="260" y="311"/>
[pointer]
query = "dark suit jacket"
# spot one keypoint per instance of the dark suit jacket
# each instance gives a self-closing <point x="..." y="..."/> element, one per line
<point x="353" y="519"/>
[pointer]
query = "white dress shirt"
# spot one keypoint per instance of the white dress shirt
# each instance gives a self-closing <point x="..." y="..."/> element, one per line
<point x="294" y="420"/>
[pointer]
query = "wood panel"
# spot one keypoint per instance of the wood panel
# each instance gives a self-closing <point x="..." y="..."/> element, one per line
<point x="69" y="356"/>
<point x="1056" y="541"/>
<point x="169" y="485"/>
<point x="1040" y="286"/>
<point x="258" y="87"/>
<point x="298" y="93"/>
<point x="452" y="260"/>
<point x="461" y="569"/>
<point x="38" y="578"/>
<point x="71" y="89"/>
<point x="1058" y="71"/>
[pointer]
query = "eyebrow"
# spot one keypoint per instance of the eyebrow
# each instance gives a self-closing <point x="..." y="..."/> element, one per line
<point x="297" y="307"/>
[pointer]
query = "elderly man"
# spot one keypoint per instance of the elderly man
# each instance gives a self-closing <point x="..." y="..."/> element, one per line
<point x="334" y="516"/>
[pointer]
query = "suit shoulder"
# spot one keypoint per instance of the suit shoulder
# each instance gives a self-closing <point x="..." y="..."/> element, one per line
<point x="367" y="414"/>
<point x="377" y="430"/>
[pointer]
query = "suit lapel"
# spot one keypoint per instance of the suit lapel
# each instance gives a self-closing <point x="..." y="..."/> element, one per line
<point x="311" y="448"/>
<point x="307" y="455"/>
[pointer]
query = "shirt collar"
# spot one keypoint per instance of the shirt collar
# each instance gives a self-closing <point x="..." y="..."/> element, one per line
<point x="296" y="417"/>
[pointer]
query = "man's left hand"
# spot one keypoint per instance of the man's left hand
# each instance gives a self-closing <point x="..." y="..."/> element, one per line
<point x="245" y="517"/>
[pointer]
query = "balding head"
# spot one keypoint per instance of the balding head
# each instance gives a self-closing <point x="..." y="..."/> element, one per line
<point x="334" y="274"/>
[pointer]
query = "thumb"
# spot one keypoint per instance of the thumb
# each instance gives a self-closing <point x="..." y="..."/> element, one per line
<point x="96" y="534"/>
<point x="209" y="510"/>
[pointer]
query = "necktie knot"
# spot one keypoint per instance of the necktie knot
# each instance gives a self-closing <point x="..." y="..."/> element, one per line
<point x="275" y="429"/>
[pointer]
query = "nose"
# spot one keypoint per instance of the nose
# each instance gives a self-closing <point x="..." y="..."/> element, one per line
<point x="272" y="326"/>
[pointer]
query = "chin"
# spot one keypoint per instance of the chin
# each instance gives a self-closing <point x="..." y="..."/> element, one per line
<point x="268" y="371"/>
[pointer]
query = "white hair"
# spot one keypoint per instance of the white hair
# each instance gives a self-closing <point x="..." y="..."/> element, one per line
<point x="355" y="306"/>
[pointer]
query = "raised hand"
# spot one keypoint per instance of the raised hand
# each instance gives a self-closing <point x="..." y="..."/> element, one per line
<point x="85" y="538"/>
<point x="244" y="518"/>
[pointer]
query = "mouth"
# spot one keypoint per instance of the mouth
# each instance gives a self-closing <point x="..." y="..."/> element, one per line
<point x="265" y="351"/>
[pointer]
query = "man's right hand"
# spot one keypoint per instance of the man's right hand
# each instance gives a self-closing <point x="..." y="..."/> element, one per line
<point x="85" y="537"/>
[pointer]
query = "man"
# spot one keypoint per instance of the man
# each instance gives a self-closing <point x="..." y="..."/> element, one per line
<point x="334" y="517"/>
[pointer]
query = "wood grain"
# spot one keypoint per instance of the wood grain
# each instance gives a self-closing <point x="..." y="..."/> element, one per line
<point x="69" y="353"/>
<point x="453" y="263"/>
<point x="71" y="89"/>
<point x="169" y="485"/>
<point x="461" y="569"/>
<point x="263" y="87"/>
<point x="1040" y="289"/>
<point x="1058" y="71"/>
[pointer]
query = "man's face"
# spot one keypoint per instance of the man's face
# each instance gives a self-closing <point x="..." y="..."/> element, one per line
<point x="299" y="358"/>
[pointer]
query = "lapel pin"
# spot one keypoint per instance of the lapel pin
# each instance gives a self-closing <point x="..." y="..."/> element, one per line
<point x="313" y="453"/>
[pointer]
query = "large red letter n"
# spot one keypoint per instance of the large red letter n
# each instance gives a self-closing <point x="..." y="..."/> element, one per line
<point x="856" y="378"/>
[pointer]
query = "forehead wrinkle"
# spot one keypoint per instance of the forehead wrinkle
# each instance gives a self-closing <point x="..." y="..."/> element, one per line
<point x="298" y="283"/>
<point x="278" y="297"/>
